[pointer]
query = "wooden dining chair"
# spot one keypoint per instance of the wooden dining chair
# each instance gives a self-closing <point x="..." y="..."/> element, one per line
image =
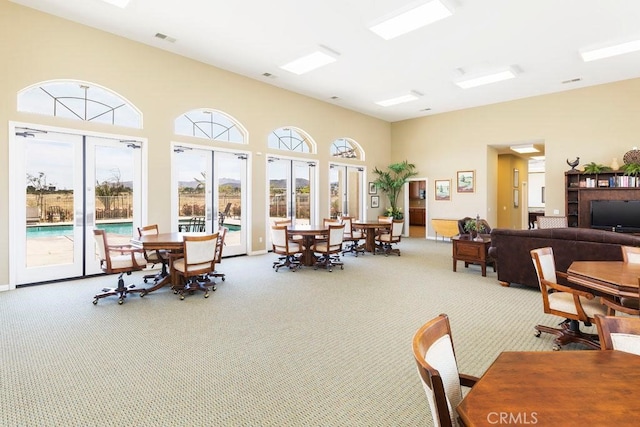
<point x="438" y="369"/>
<point x="328" y="251"/>
<point x="154" y="256"/>
<point x="121" y="260"/>
<point x="574" y="305"/>
<point x="288" y="249"/>
<point x="222" y="234"/>
<point x="198" y="260"/>
<point x="388" y="238"/>
<point x="619" y="333"/>
<point x="352" y="237"/>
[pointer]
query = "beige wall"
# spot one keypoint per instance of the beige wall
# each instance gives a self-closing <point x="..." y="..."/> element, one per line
<point x="596" y="123"/>
<point x="38" y="47"/>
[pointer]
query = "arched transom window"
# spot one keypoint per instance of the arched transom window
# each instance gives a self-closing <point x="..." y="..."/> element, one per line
<point x="78" y="100"/>
<point x="291" y="139"/>
<point x="210" y="124"/>
<point x="346" y="148"/>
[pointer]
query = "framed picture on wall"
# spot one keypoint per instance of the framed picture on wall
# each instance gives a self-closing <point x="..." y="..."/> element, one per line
<point x="372" y="188"/>
<point x="375" y="201"/>
<point x="466" y="181"/>
<point x="516" y="178"/>
<point x="516" y="198"/>
<point x="443" y="189"/>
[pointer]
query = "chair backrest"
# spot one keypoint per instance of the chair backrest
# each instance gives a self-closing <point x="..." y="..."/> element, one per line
<point x="619" y="333"/>
<point x="330" y="221"/>
<point x="386" y="219"/>
<point x="347" y="221"/>
<point x="279" y="238"/>
<point x="631" y="254"/>
<point x="282" y="221"/>
<point x="545" y="265"/>
<point x="100" y="237"/>
<point x="222" y="233"/>
<point x="552" y="222"/>
<point x="200" y="253"/>
<point x="396" y="228"/>
<point x="436" y="361"/>
<point x="148" y="230"/>
<point x="336" y="235"/>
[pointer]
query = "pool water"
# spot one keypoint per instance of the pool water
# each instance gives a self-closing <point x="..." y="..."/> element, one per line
<point x="122" y="228"/>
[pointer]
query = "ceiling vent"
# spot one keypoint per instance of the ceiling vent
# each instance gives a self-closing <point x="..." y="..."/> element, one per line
<point x="165" y="37"/>
<point x="577" y="79"/>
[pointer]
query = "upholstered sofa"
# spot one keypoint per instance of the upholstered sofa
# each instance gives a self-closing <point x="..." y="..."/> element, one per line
<point x="510" y="248"/>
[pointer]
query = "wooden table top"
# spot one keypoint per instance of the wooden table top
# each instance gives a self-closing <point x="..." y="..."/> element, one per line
<point x="308" y="229"/>
<point x="557" y="388"/>
<point x="371" y="224"/>
<point x="616" y="278"/>
<point x="169" y="241"/>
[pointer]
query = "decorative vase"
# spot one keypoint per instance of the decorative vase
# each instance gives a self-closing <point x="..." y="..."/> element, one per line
<point x="631" y="156"/>
<point x="614" y="164"/>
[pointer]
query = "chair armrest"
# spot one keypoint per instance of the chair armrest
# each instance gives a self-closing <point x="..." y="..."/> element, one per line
<point x="569" y="289"/>
<point x="468" y="380"/>
<point x="613" y="306"/>
<point x="561" y="275"/>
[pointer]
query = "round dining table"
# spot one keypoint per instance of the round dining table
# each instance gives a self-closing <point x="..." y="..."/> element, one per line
<point x="370" y="229"/>
<point x="308" y="233"/>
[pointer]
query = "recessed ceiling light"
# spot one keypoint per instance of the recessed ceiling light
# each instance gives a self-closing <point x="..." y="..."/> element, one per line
<point x="486" y="79"/>
<point x="119" y="3"/>
<point x="322" y="56"/>
<point x="412" y="96"/>
<point x="524" y="148"/>
<point x="404" y="21"/>
<point x="606" y="52"/>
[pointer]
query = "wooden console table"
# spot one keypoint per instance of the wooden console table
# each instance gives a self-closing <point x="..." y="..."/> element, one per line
<point x="472" y="252"/>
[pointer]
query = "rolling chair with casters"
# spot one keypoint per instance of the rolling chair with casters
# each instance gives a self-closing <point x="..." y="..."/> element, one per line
<point x="560" y="300"/>
<point x="198" y="260"/>
<point x="329" y="250"/>
<point x="114" y="259"/>
<point x="154" y="256"/>
<point x="222" y="233"/>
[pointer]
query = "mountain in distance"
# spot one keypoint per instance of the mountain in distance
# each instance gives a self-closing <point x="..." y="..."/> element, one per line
<point x="223" y="181"/>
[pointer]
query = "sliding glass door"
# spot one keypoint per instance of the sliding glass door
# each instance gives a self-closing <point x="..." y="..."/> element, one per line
<point x="346" y="190"/>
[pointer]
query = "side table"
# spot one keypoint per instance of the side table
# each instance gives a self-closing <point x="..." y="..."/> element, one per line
<point x="472" y="252"/>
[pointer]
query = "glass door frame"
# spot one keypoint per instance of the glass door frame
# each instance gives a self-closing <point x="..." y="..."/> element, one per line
<point x="81" y="216"/>
<point x="212" y="209"/>
<point x="291" y="208"/>
<point x="344" y="199"/>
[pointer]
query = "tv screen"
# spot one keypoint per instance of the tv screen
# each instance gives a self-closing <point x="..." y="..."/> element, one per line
<point x="616" y="215"/>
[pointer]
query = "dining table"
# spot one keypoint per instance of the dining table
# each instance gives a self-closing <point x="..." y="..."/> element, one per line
<point x="614" y="278"/>
<point x="172" y="243"/>
<point x="309" y="233"/>
<point x="556" y="388"/>
<point x="370" y="229"/>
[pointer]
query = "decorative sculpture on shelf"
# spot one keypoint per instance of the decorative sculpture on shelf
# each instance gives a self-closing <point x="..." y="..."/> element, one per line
<point x="574" y="163"/>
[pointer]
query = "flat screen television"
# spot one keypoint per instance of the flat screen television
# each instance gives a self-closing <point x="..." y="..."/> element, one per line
<point x="616" y="215"/>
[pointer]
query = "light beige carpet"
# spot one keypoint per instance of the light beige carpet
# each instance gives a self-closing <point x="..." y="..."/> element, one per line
<point x="306" y="348"/>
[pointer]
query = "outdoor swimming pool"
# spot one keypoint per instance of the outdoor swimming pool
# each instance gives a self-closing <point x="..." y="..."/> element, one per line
<point x="122" y="228"/>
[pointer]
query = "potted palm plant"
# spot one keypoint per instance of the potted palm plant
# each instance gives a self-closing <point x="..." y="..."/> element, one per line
<point x="391" y="181"/>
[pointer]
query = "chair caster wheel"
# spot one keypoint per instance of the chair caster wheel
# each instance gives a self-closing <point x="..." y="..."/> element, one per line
<point x="143" y="293"/>
<point x="537" y="334"/>
<point x="145" y="280"/>
<point x="555" y="348"/>
<point x="120" y="301"/>
<point x="223" y="279"/>
<point x="181" y="297"/>
<point x="95" y="301"/>
<point x="206" y="295"/>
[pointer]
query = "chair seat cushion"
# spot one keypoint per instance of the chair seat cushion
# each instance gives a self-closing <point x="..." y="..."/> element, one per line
<point x="180" y="266"/>
<point x="563" y="301"/>
<point x="322" y="247"/>
<point x="124" y="261"/>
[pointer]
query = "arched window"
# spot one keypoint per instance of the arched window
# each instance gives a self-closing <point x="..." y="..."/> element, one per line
<point x="78" y="100"/>
<point x="291" y="139"/>
<point x="210" y="124"/>
<point x="346" y="148"/>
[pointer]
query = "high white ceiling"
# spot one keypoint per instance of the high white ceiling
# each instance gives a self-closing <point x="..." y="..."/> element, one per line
<point x="540" y="38"/>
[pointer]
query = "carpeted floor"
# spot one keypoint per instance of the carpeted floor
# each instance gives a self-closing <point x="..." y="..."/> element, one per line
<point x="306" y="348"/>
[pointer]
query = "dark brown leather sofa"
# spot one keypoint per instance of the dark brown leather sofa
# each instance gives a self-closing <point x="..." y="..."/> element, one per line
<point x="510" y="248"/>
